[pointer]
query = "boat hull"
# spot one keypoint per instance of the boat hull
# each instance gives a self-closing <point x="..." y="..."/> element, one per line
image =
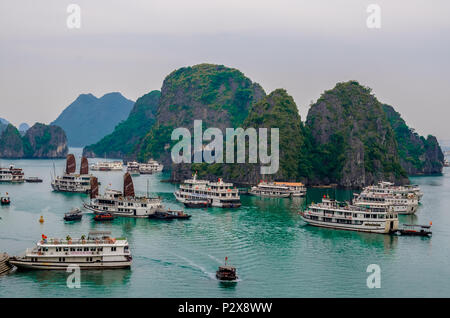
<point x="357" y="228"/>
<point x="115" y="212"/>
<point x="27" y="265"/>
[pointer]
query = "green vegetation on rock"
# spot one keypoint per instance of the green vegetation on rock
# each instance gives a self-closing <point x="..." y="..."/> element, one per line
<point x="127" y="134"/>
<point x="352" y="141"/>
<point x="417" y="154"/>
<point x="40" y="141"/>
<point x="219" y="96"/>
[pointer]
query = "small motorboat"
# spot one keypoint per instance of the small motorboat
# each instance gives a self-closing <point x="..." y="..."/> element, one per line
<point x="169" y="215"/>
<point x="226" y="272"/>
<point x="73" y="215"/>
<point x="414" y="230"/>
<point x="33" y="179"/>
<point x="197" y="203"/>
<point x="5" y="200"/>
<point x="104" y="217"/>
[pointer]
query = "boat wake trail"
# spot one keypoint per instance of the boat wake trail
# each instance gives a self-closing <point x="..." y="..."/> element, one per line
<point x="202" y="269"/>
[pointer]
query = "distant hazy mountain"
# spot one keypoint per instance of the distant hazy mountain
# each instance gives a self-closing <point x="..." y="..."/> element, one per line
<point x="88" y="119"/>
<point x="122" y="141"/>
<point x="4" y="121"/>
<point x="23" y="127"/>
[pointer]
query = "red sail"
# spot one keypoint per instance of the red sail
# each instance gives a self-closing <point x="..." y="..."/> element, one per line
<point x="128" y="188"/>
<point x="70" y="164"/>
<point x="84" y="169"/>
<point x="94" y="187"/>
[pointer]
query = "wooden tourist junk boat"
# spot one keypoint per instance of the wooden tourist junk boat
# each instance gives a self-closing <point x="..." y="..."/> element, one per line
<point x="278" y="189"/>
<point x="72" y="182"/>
<point x="341" y="215"/>
<point x="107" y="166"/>
<point x="73" y="215"/>
<point x="124" y="203"/>
<point x="6" y="200"/>
<point x="226" y="272"/>
<point x="11" y="174"/>
<point x="97" y="251"/>
<point x="221" y="194"/>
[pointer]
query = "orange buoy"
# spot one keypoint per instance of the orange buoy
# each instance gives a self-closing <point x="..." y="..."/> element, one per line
<point x="41" y="220"/>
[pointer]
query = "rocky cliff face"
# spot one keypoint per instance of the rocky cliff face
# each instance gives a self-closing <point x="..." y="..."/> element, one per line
<point x="40" y="141"/>
<point x="219" y="96"/>
<point x="11" y="144"/>
<point x="276" y="110"/>
<point x="43" y="141"/>
<point x="352" y="141"/>
<point x="418" y="155"/>
<point x="127" y="134"/>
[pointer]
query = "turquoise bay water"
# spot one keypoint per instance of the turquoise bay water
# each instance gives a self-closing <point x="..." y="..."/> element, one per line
<point x="276" y="254"/>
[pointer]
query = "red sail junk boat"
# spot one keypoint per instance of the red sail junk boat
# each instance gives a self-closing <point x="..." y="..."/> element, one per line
<point x="71" y="181"/>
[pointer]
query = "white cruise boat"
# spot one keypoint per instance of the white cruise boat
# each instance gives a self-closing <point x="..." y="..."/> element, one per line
<point x="278" y="189"/>
<point x="107" y="166"/>
<point x="401" y="203"/>
<point x="385" y="187"/>
<point x="152" y="166"/>
<point x="133" y="168"/>
<point x="123" y="203"/>
<point x="97" y="251"/>
<point x="220" y="194"/>
<point x="71" y="181"/>
<point x="11" y="174"/>
<point x="343" y="216"/>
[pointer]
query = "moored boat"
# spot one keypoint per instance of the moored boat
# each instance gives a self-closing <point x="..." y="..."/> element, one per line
<point x="124" y="203"/>
<point x="197" y="203"/>
<point x="33" y="180"/>
<point x="401" y="203"/>
<point x="72" y="182"/>
<point x="414" y="230"/>
<point x="104" y="217"/>
<point x="107" y="166"/>
<point x="152" y="166"/>
<point x="73" y="215"/>
<point x="220" y="194"/>
<point x="133" y="168"/>
<point x="97" y="251"/>
<point x="169" y="215"/>
<point x="11" y="174"/>
<point x="341" y="215"/>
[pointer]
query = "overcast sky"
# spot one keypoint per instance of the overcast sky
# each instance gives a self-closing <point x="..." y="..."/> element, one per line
<point x="303" y="46"/>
